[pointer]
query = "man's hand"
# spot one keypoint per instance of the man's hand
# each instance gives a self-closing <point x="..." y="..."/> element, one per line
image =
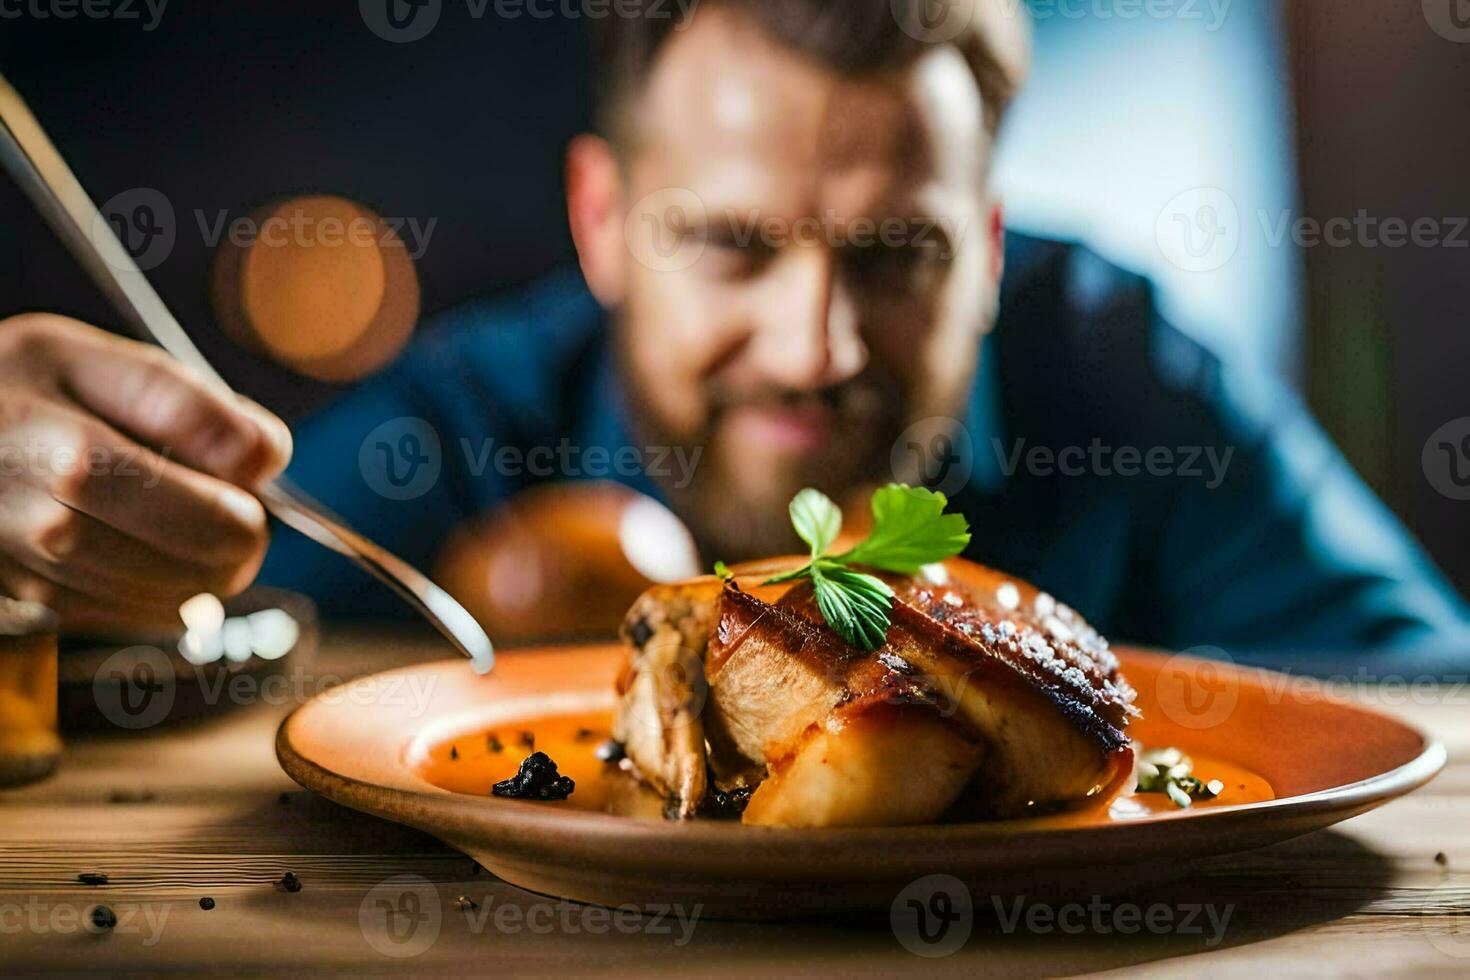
<point x="124" y="478"/>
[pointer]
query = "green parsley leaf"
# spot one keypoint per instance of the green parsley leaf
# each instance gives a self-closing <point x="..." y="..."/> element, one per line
<point x="1171" y="772"/>
<point x="855" y="605"/>
<point x="817" y="519"/>
<point x="910" y="530"/>
<point x="1178" y="795"/>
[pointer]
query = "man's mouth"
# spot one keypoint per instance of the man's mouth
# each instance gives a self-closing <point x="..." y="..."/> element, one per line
<point x="788" y="428"/>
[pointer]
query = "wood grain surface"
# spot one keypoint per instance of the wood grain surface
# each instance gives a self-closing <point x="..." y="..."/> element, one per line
<point x="174" y="813"/>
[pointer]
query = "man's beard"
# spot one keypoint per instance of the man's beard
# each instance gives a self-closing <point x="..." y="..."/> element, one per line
<point x="737" y="525"/>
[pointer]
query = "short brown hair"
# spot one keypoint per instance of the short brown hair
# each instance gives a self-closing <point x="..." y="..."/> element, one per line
<point x="853" y="36"/>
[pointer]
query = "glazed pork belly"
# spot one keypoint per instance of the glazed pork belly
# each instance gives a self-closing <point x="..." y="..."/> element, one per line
<point x="987" y="700"/>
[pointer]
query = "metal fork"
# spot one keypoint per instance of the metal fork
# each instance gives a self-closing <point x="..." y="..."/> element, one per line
<point x="28" y="155"/>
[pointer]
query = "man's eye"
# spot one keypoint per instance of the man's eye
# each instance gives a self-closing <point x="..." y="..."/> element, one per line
<point x="888" y="263"/>
<point x="736" y="256"/>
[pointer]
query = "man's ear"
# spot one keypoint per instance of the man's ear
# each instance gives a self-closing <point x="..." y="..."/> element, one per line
<point x="595" y="210"/>
<point x="996" y="228"/>
<point x="994" y="222"/>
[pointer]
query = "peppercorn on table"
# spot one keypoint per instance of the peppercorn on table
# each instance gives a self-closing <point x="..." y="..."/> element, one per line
<point x="184" y="847"/>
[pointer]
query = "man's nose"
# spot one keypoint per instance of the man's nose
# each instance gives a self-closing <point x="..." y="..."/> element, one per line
<point x="810" y="327"/>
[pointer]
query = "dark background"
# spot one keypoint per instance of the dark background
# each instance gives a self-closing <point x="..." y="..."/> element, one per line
<point x="228" y="106"/>
<point x="1383" y="109"/>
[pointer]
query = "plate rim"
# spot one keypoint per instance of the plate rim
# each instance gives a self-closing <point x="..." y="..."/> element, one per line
<point x="532" y="827"/>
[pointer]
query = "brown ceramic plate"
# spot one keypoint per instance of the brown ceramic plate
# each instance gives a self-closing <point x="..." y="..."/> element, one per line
<point x="411" y="745"/>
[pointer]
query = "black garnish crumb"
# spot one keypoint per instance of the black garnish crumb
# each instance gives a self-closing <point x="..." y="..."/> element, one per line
<point x="464" y="903"/>
<point x="206" y="903"/>
<point x="1442" y="859"/>
<point x="284" y="799"/>
<point x="131" y="796"/>
<point x="494" y="743"/>
<point x="103" y="918"/>
<point x="723" y="805"/>
<point x="528" y="739"/>
<point x="611" y="751"/>
<point x="536" y="780"/>
<point x="92" y="878"/>
<point x="640" y="632"/>
<point x="290" y="882"/>
<point x="583" y="734"/>
<point x="453" y="752"/>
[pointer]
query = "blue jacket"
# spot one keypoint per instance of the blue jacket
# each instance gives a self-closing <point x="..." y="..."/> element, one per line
<point x="1110" y="459"/>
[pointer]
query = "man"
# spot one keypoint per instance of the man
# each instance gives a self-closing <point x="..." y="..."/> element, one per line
<point x="791" y="262"/>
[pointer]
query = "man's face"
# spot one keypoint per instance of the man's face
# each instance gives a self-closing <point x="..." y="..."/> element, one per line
<point x="811" y="261"/>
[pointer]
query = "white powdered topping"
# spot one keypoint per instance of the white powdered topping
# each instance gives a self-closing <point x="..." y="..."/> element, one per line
<point x="1037" y="648"/>
<point x="1008" y="596"/>
<point x="1074" y="676"/>
<point x="1058" y="629"/>
<point x="935" y="573"/>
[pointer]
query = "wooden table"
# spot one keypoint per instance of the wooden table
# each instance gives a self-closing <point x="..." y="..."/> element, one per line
<point x="178" y="812"/>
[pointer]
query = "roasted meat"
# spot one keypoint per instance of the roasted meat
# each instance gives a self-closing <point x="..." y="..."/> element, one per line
<point x="988" y="699"/>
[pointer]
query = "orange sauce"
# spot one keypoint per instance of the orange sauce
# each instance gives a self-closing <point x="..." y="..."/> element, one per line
<point x="471" y="764"/>
<point x="475" y="762"/>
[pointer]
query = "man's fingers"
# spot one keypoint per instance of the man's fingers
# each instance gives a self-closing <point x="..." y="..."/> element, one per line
<point x="143" y="392"/>
<point x="176" y="510"/>
<point x="278" y="439"/>
<point x="108" y="532"/>
<point x="89" y="615"/>
<point x="90" y="467"/>
<point x="78" y="552"/>
<point x="103" y="561"/>
<point x="87" y="466"/>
